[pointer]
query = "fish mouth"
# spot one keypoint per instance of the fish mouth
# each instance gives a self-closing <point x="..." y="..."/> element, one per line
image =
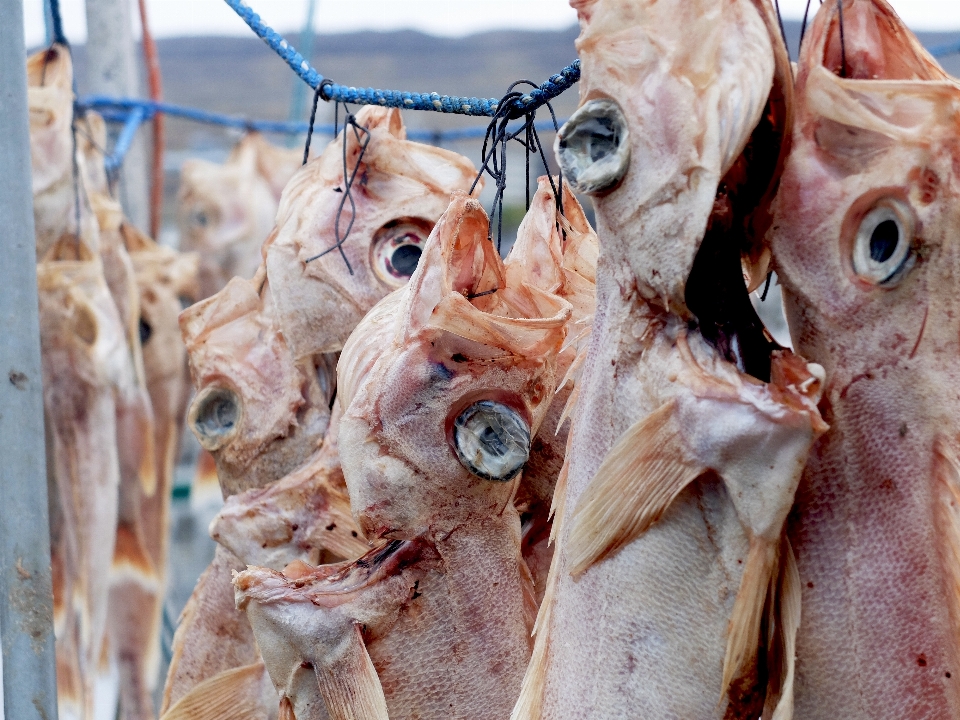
<point x="717" y="291"/>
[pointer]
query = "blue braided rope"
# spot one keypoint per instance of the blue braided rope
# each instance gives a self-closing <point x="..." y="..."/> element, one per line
<point x="118" y="110"/>
<point x="939" y="51"/>
<point x="133" y="121"/>
<point x="481" y="107"/>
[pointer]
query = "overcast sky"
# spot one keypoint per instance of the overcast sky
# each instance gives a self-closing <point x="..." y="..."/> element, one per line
<point x="442" y="17"/>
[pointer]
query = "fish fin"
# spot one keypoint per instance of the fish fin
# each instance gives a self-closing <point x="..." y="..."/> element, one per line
<point x="286" y="710"/>
<point x="568" y="407"/>
<point x="948" y="473"/>
<point x="644" y="471"/>
<point x="350" y="686"/>
<point x="559" y="501"/>
<point x="528" y="588"/>
<point x="236" y="693"/>
<point x="788" y="604"/>
<point x="743" y="631"/>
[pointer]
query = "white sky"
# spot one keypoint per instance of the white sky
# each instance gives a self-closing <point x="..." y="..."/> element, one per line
<point x="441" y="17"/>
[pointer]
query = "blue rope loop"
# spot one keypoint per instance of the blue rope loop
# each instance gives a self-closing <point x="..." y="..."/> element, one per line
<point x="433" y="102"/>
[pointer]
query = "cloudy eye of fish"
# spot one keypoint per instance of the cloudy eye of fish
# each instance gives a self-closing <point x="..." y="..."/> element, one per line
<point x="397" y="248"/>
<point x="881" y="249"/>
<point x="491" y="440"/>
<point x="214" y="417"/>
<point x="593" y="147"/>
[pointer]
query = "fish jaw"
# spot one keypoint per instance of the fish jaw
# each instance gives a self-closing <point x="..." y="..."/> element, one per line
<point x="690" y="108"/>
<point x="873" y="528"/>
<point x="327" y="606"/>
<point x="305" y="516"/>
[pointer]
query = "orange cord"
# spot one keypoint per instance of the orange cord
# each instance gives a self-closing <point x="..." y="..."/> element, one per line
<point x="152" y="60"/>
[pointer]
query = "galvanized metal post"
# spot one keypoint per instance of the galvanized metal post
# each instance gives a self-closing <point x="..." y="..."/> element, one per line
<point x="112" y="69"/>
<point x="26" y="599"/>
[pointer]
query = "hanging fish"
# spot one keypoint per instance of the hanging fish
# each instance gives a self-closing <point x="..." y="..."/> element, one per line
<point x="226" y="211"/>
<point x="308" y="512"/>
<point x="163" y="276"/>
<point x="92" y="368"/>
<point x="670" y="593"/>
<point x="85" y="367"/>
<point x="444" y="384"/>
<point x="263" y="355"/>
<point x="866" y="238"/>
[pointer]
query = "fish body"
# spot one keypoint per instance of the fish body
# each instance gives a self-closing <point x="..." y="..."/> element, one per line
<point x="690" y="430"/>
<point x="162" y="277"/>
<point x="434" y="622"/>
<point x="262" y="356"/>
<point x="875" y="524"/>
<point x="85" y="362"/>
<point x="226" y="211"/>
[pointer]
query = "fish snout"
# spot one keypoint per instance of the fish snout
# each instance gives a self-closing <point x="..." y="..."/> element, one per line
<point x="593" y="147"/>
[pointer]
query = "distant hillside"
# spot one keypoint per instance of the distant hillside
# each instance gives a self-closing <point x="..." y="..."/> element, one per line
<point x="242" y="75"/>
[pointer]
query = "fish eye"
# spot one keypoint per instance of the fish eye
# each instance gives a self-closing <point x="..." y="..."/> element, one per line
<point x="491" y="440"/>
<point x="882" y="246"/>
<point x="145" y="331"/>
<point x="593" y="147"/>
<point x="397" y="248"/>
<point x="215" y="416"/>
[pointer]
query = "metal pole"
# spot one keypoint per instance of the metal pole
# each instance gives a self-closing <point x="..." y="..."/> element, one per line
<point x="26" y="599"/>
<point x="113" y="70"/>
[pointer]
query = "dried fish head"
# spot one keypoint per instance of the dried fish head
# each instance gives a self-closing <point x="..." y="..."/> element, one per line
<point x="260" y="412"/>
<point x="664" y="118"/>
<point x="440" y="422"/>
<point x="381" y="211"/>
<point x="224" y="213"/>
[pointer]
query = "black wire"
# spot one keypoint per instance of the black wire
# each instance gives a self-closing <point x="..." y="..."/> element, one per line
<point x="766" y="287"/>
<point x="313" y="119"/>
<point x="494" y="152"/>
<point x="362" y="136"/>
<point x="803" y="26"/>
<point x="843" y="46"/>
<point x="783" y="33"/>
<point x="57" y="22"/>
